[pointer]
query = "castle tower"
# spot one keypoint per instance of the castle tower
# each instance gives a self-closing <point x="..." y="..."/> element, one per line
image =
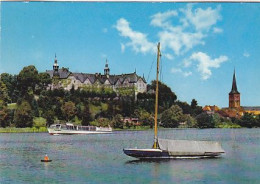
<point x="106" y="70"/>
<point x="56" y="67"/>
<point x="234" y="95"/>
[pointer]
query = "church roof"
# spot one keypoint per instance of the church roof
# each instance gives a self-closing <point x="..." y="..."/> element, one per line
<point x="234" y="85"/>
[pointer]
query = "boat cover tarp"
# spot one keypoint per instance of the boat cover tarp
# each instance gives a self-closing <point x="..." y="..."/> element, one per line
<point x="189" y="147"/>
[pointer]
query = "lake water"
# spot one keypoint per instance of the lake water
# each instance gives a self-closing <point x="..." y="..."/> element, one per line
<point x="100" y="159"/>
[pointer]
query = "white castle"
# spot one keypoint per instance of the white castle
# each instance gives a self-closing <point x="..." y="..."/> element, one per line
<point x="63" y="78"/>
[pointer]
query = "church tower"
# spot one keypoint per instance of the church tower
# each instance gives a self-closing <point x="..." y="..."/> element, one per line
<point x="106" y="70"/>
<point x="56" y="68"/>
<point x="234" y="95"/>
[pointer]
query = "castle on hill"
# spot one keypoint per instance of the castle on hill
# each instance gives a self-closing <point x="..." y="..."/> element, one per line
<point x="234" y="109"/>
<point x="63" y="78"/>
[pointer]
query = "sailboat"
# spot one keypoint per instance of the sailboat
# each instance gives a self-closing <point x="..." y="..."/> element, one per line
<point x="166" y="148"/>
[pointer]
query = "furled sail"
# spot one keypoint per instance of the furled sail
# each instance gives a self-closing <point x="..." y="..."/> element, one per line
<point x="189" y="147"/>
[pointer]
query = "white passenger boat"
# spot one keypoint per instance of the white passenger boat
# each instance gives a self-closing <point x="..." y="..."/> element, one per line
<point x="69" y="128"/>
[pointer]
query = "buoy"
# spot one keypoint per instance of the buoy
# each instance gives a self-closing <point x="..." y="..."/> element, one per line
<point x="46" y="159"/>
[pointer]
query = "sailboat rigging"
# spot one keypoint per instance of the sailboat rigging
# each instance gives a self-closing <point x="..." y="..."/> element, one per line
<point x="165" y="148"/>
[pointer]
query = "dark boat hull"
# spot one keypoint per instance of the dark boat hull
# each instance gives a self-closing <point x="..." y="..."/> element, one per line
<point x="46" y="160"/>
<point x="160" y="154"/>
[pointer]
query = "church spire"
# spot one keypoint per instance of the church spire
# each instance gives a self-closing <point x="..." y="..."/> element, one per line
<point x="234" y="84"/>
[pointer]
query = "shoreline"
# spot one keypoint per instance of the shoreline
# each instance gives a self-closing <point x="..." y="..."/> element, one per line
<point x="44" y="129"/>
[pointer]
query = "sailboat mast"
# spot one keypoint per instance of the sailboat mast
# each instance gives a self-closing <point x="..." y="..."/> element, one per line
<point x="155" y="145"/>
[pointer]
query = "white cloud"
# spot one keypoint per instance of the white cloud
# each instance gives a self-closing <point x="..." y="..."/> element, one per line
<point x="205" y="63"/>
<point x="217" y="30"/>
<point x="122" y="47"/>
<point x="186" y="74"/>
<point x="168" y="56"/>
<point x="202" y="19"/>
<point x="176" y="70"/>
<point x="246" y="54"/>
<point x="188" y="31"/>
<point x="161" y="19"/>
<point x="138" y="40"/>
<point x="180" y="71"/>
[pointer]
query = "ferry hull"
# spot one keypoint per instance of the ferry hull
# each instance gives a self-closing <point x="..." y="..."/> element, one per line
<point x="160" y="154"/>
<point x="71" y="132"/>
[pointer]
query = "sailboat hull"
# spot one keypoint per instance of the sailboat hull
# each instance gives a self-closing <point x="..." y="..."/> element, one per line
<point x="160" y="154"/>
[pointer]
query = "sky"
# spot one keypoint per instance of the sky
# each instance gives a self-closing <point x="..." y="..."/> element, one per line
<point x="201" y="43"/>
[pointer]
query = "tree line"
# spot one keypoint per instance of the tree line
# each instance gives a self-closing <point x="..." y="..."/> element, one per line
<point x="25" y="96"/>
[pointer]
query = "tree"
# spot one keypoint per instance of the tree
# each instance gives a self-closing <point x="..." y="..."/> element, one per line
<point x="205" y="121"/>
<point x="117" y="121"/>
<point x="3" y="114"/>
<point x="49" y="115"/>
<point x="3" y="93"/>
<point x="145" y="117"/>
<point x="193" y="103"/>
<point x="10" y="82"/>
<point x="86" y="116"/>
<point x="27" y="79"/>
<point x="165" y="96"/>
<point x="44" y="81"/>
<point x="172" y="117"/>
<point x="248" y="120"/>
<point x="23" y="115"/>
<point x="69" y="110"/>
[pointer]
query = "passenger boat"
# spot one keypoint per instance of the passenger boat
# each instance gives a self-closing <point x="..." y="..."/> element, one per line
<point x="177" y="149"/>
<point x="69" y="128"/>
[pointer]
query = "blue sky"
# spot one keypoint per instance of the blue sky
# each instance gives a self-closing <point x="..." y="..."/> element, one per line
<point x="201" y="43"/>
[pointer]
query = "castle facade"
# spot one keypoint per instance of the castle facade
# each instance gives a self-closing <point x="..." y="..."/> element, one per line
<point x="63" y="78"/>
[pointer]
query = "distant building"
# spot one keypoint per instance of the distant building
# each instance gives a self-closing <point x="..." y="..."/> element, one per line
<point x="234" y="109"/>
<point x="234" y="95"/>
<point x="63" y="78"/>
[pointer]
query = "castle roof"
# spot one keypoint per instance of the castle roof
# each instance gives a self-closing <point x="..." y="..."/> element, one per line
<point x="82" y="77"/>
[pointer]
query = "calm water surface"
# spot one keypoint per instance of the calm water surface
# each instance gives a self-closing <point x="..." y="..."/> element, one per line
<point x="100" y="159"/>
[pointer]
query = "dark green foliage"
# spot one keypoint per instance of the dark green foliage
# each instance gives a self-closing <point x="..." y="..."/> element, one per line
<point x="117" y="121"/>
<point x="249" y="121"/>
<point x="10" y="83"/>
<point x="27" y="79"/>
<point x="23" y="116"/>
<point x="171" y="117"/>
<point x="166" y="97"/>
<point x="205" y="121"/>
<point x="49" y="115"/>
<point x="69" y="110"/>
<point x="86" y="116"/>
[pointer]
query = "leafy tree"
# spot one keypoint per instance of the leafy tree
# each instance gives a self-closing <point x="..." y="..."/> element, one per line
<point x="49" y="115"/>
<point x="3" y="93"/>
<point x="86" y="117"/>
<point x="248" y="120"/>
<point x="11" y="83"/>
<point x="117" y="121"/>
<point x="165" y="96"/>
<point x="3" y="114"/>
<point x="186" y="108"/>
<point x="27" y="79"/>
<point x="171" y="117"/>
<point x="145" y="117"/>
<point x="44" y="80"/>
<point x="23" y="115"/>
<point x="205" y="121"/>
<point x="194" y="103"/>
<point x="69" y="110"/>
